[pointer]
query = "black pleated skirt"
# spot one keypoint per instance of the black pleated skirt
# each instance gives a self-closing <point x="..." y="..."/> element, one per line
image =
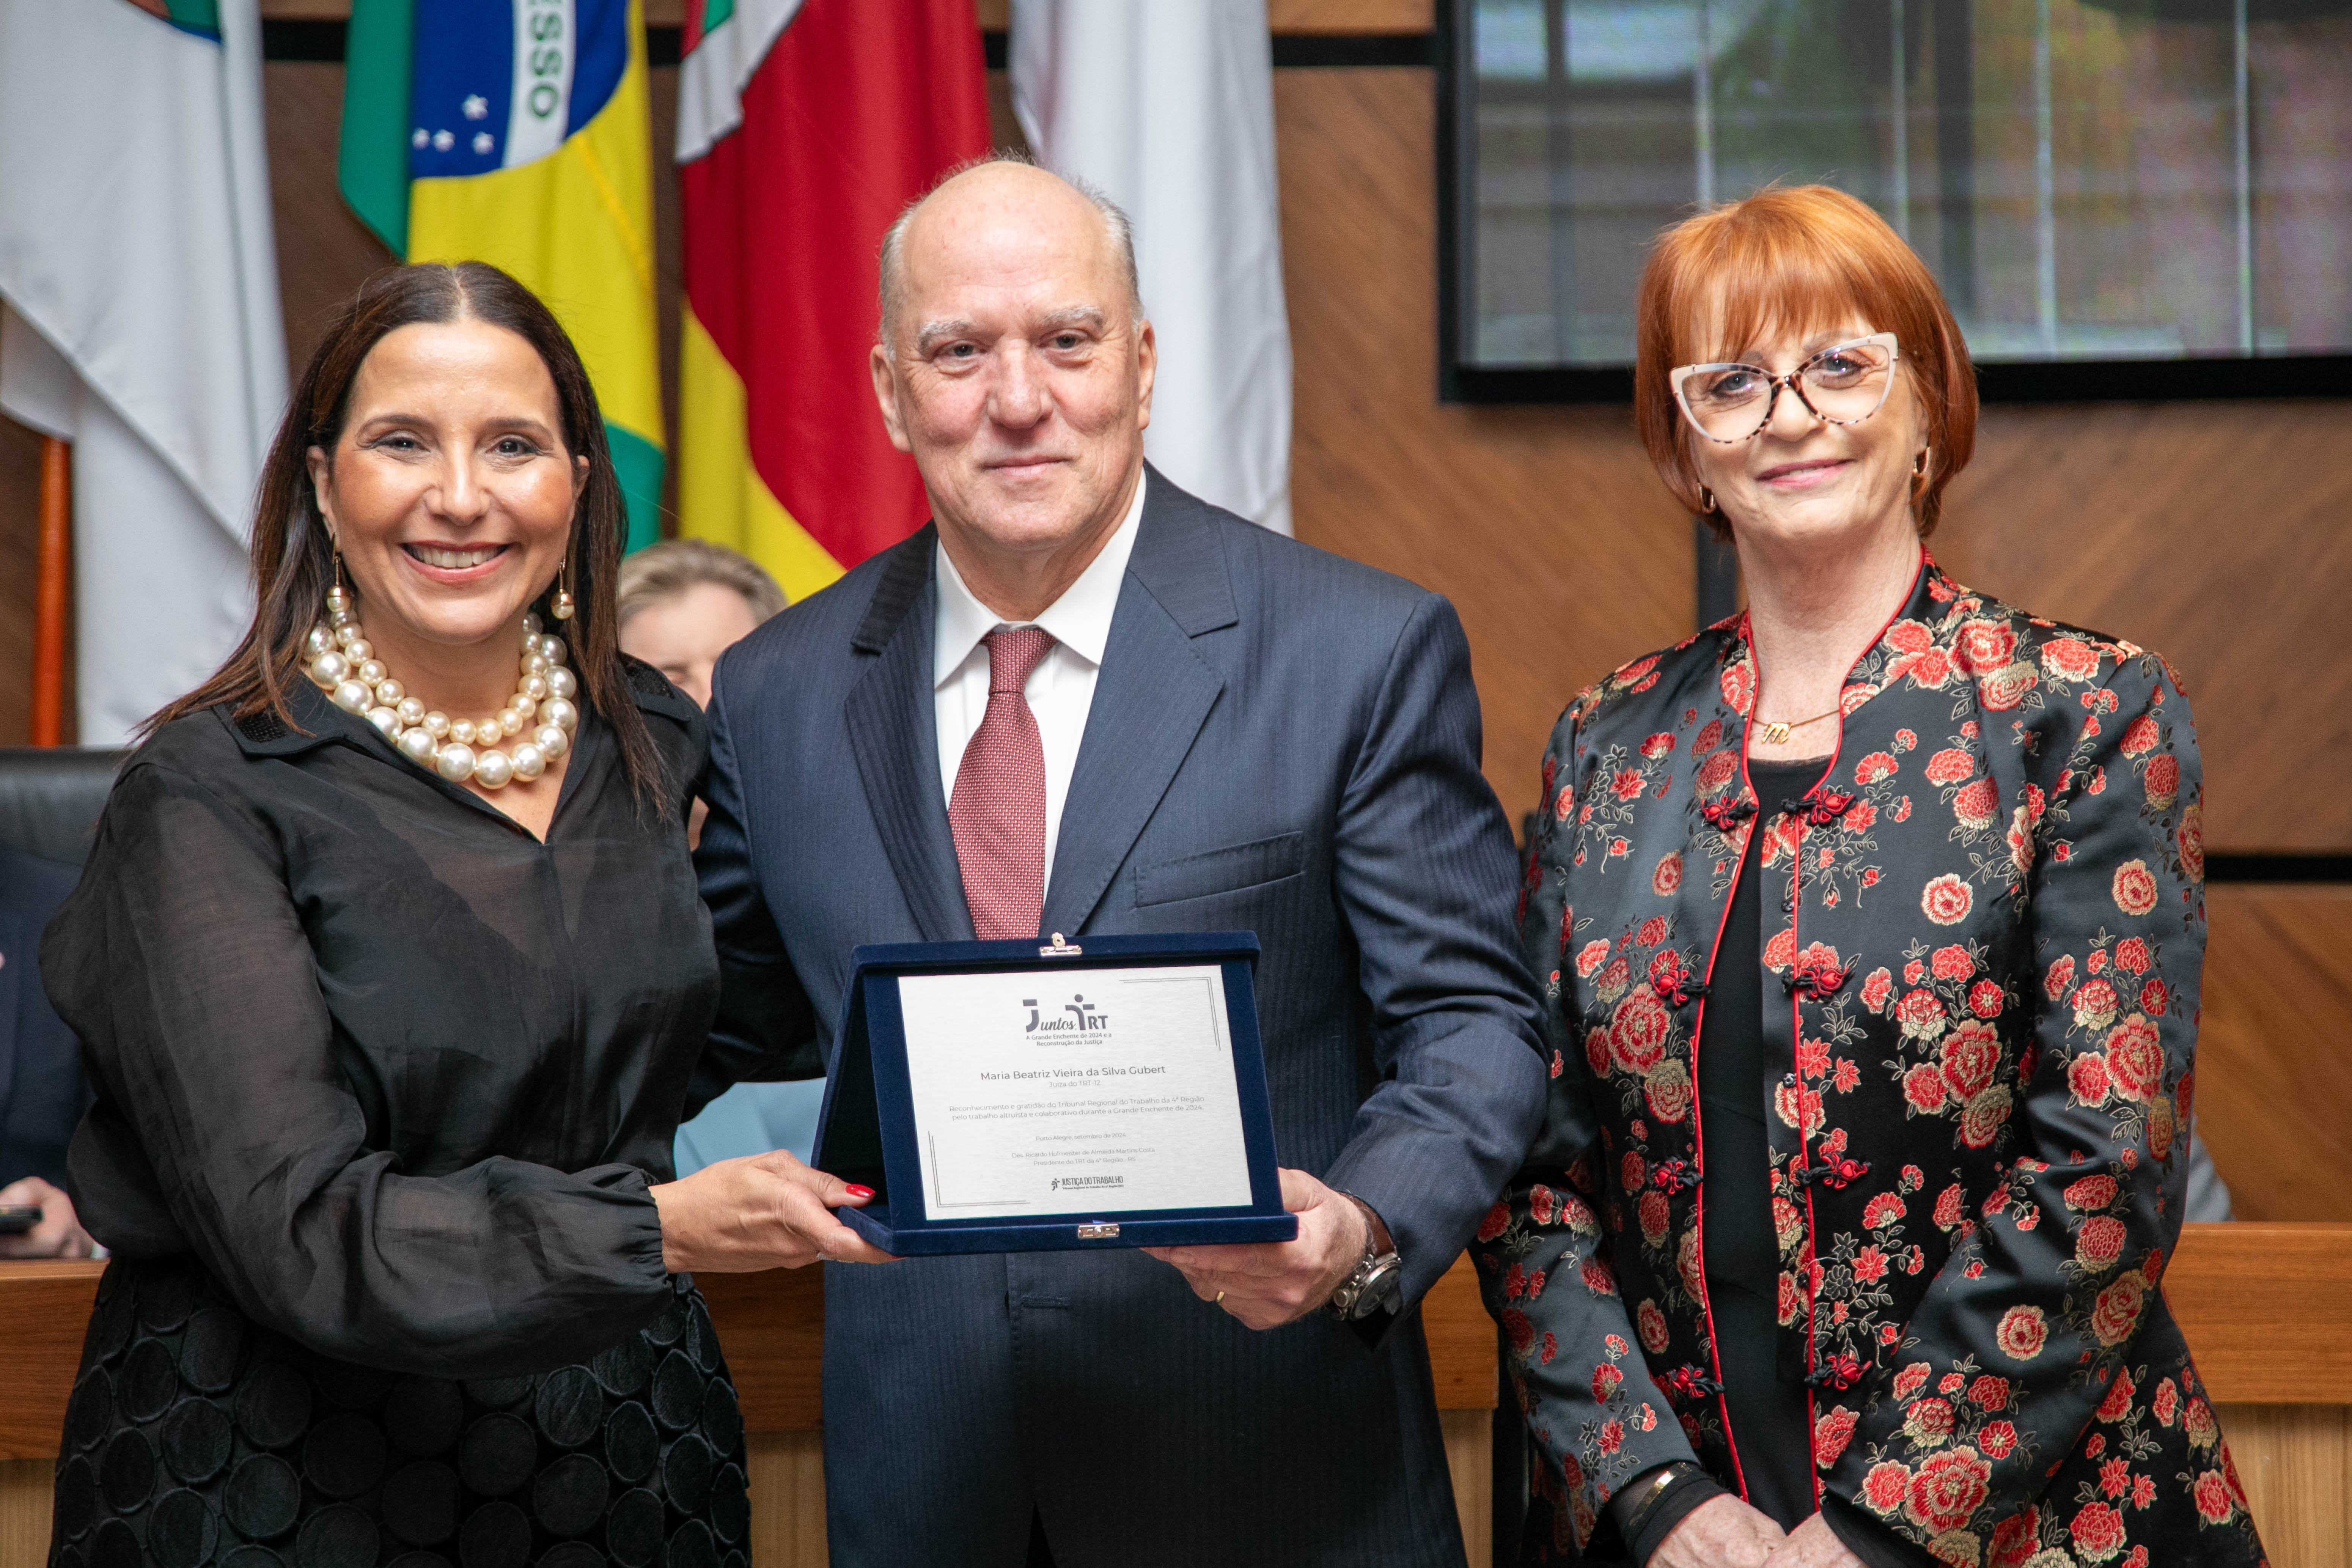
<point x="197" y="1436"/>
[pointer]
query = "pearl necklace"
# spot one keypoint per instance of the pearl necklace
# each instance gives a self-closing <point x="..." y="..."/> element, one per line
<point x="345" y="665"/>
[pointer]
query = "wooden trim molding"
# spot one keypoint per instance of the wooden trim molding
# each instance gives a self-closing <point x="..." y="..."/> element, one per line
<point x="772" y="1326"/>
<point x="1360" y="16"/>
<point x="2267" y="1309"/>
<point x="47" y="1309"/>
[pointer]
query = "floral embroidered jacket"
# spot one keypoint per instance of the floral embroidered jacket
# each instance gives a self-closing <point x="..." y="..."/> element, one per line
<point x="1983" y="935"/>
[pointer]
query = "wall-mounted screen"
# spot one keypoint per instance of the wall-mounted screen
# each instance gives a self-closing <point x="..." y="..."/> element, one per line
<point x="2089" y="180"/>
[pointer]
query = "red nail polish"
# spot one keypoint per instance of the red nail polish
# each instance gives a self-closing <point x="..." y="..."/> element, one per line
<point x="858" y="1192"/>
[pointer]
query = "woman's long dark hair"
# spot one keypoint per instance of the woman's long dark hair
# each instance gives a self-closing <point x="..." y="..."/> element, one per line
<point x="293" y="556"/>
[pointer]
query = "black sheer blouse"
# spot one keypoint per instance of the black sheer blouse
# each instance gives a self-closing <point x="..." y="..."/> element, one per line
<point x="395" y="1072"/>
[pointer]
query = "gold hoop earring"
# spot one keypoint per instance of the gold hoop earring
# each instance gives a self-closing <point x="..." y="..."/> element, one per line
<point x="1706" y="497"/>
<point x="560" y="606"/>
<point x="1919" y="464"/>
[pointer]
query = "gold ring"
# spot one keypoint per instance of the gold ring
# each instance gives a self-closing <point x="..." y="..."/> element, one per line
<point x="1220" y="1300"/>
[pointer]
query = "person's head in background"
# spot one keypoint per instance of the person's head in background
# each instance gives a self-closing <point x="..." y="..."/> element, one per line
<point x="683" y="602"/>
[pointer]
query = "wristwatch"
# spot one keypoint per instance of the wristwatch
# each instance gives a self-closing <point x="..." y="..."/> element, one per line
<point x="1378" y="1282"/>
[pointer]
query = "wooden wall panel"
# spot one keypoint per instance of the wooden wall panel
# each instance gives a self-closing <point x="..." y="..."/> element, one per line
<point x="2206" y="530"/>
<point x="2295" y="1461"/>
<point x="2164" y="524"/>
<point x="20" y="495"/>
<point x="50" y="1304"/>
<point x="1350" y="17"/>
<point x="1470" y="1459"/>
<point x="2274" y="1050"/>
<point x="26" y="1488"/>
<point x="323" y="252"/>
<point x="668" y="266"/>
<point x="1545" y="526"/>
<point x="787" y="1485"/>
<point x="2287" y="1346"/>
<point x="774" y="1333"/>
<point x="2214" y="534"/>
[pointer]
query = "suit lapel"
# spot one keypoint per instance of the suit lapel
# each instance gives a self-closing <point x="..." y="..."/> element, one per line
<point x="895" y="738"/>
<point x="1151" y="699"/>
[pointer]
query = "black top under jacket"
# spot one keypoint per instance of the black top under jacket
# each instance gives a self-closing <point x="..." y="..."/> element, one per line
<point x="1770" y="1424"/>
<point x="1771" y="1429"/>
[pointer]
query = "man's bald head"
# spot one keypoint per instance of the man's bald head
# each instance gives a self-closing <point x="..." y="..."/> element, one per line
<point x="1015" y="367"/>
<point x="1004" y="188"/>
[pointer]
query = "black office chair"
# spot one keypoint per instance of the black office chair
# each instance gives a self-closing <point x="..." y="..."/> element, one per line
<point x="50" y="797"/>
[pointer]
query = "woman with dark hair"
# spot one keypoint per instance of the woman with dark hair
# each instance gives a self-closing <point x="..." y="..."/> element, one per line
<point x="1871" y="921"/>
<point x="391" y="972"/>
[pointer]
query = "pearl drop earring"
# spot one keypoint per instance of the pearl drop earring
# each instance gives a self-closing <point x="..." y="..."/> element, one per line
<point x="560" y="606"/>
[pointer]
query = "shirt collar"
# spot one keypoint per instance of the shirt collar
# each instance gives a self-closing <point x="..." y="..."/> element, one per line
<point x="1079" y="620"/>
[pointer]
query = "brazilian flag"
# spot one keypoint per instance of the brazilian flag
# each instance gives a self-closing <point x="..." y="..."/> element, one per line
<point x="517" y="132"/>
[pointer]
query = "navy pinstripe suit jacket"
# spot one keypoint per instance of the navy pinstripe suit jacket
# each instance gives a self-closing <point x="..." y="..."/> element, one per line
<point x="1280" y="741"/>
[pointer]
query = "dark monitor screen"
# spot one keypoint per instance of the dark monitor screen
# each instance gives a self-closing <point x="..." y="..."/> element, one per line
<point x="2089" y="180"/>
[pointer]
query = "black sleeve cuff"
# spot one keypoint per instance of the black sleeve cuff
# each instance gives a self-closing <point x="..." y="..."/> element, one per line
<point x="1869" y="1540"/>
<point x="1684" y="1495"/>
<point x="1373" y="1327"/>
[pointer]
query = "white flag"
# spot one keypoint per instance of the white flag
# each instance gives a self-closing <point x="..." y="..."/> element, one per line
<point x="139" y="281"/>
<point x="1167" y="107"/>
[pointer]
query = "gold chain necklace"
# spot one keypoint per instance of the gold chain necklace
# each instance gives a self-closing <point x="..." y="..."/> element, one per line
<point x="1778" y="730"/>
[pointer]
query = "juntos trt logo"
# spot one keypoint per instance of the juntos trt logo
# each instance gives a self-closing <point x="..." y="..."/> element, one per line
<point x="1076" y="1016"/>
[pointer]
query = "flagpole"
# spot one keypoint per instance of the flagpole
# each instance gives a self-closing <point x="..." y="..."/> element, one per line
<point x="51" y="581"/>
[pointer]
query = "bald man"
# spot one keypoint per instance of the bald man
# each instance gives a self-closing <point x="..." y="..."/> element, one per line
<point x="1082" y="701"/>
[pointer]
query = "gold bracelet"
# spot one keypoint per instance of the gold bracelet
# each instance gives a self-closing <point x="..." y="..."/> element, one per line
<point x="1668" y="1476"/>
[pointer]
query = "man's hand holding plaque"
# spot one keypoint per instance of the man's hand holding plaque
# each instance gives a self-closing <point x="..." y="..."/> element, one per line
<point x="1265" y="1284"/>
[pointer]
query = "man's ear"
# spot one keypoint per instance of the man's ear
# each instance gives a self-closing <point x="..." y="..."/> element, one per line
<point x="886" y="395"/>
<point x="1147" y="364"/>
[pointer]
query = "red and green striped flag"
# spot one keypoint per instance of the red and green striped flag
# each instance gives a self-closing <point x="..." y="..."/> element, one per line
<point x="804" y="127"/>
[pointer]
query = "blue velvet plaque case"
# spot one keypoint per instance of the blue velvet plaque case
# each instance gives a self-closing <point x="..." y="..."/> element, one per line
<point x="867" y="1132"/>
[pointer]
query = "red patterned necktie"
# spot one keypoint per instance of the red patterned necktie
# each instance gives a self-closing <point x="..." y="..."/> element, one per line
<point x="997" y="810"/>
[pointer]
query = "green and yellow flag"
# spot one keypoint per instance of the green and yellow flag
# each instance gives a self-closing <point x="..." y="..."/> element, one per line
<point x="517" y="132"/>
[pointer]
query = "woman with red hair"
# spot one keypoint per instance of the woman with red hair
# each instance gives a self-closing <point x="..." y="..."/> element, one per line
<point x="1871" y="920"/>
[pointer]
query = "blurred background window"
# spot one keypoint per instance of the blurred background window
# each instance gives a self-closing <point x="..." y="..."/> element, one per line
<point x="2089" y="180"/>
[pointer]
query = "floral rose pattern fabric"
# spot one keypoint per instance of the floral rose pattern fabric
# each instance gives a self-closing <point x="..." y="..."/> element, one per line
<point x="1987" y="922"/>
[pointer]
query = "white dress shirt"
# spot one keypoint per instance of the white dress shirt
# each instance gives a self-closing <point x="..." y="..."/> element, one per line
<point x="1061" y="689"/>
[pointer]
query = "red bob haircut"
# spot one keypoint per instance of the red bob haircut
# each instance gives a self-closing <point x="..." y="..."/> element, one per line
<point x="1799" y="258"/>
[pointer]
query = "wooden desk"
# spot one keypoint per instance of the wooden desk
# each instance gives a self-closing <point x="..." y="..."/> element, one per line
<point x="2267" y="1309"/>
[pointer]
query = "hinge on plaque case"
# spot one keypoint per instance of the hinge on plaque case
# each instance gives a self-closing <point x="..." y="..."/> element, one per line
<point x="1061" y="948"/>
<point x="1098" y="1230"/>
